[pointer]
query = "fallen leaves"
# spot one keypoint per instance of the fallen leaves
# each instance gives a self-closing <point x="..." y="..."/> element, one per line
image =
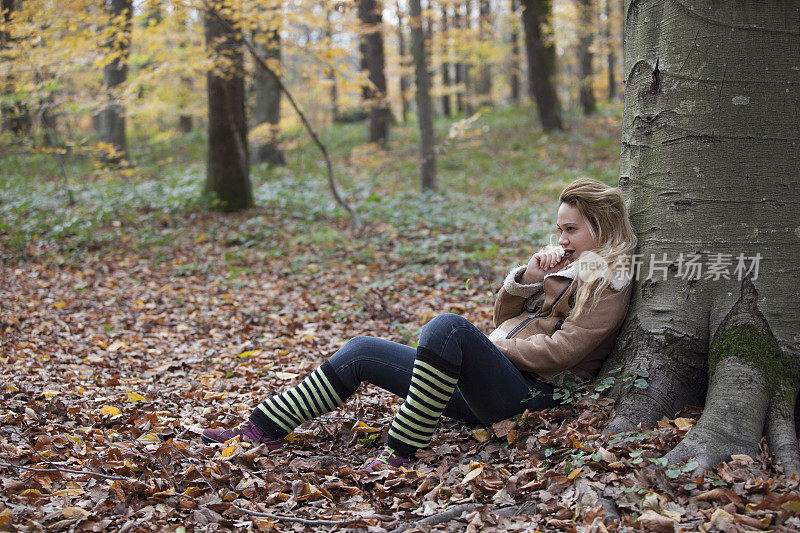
<point x="107" y="407"/>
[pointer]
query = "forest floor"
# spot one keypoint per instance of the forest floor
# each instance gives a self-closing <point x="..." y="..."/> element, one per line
<point x="135" y="318"/>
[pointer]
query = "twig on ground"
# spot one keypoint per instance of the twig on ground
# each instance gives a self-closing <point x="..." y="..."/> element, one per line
<point x="458" y="510"/>
<point x="439" y="518"/>
<point x="304" y="521"/>
<point x="163" y="468"/>
<point x="68" y="470"/>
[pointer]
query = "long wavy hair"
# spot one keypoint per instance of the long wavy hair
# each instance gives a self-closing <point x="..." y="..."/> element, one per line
<point x="606" y="210"/>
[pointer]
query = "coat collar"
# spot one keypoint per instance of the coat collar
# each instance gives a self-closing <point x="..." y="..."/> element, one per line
<point x="618" y="282"/>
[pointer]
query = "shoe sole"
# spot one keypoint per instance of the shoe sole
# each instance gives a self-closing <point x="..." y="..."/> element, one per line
<point x="208" y="440"/>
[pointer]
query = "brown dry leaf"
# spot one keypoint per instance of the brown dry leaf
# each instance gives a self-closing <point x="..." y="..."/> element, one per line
<point x="658" y="523"/>
<point x="749" y="521"/>
<point x="481" y="434"/>
<point x="502" y="428"/>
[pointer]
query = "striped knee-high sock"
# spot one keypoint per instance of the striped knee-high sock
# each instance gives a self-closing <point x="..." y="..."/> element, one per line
<point x="432" y="383"/>
<point x="321" y="392"/>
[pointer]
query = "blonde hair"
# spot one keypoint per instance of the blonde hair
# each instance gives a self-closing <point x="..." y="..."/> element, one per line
<point x="605" y="209"/>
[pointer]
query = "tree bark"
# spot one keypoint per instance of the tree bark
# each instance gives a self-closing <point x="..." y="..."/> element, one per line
<point x="403" y="54"/>
<point x="709" y="158"/>
<point x="115" y="73"/>
<point x="446" y="80"/>
<point x="424" y="104"/>
<point x="267" y="108"/>
<point x="228" y="169"/>
<point x="585" y="57"/>
<point x="372" y="60"/>
<point x="514" y="70"/>
<point x="541" y="62"/>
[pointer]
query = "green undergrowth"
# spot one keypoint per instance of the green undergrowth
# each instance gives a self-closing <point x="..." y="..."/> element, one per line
<point x="498" y="177"/>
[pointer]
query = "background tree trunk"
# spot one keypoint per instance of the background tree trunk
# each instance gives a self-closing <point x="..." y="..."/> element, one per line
<point x="16" y="116"/>
<point x="585" y="57"/>
<point x="485" y="72"/>
<point x="541" y="62"/>
<point x="372" y="60"/>
<point x="403" y="53"/>
<point x="267" y="108"/>
<point x="332" y="71"/>
<point x="460" y="67"/>
<point x="709" y="158"/>
<point x="466" y="65"/>
<point x="446" y="81"/>
<point x="514" y="70"/>
<point x="611" y="57"/>
<point x="112" y="117"/>
<point x="228" y="171"/>
<point x="424" y="104"/>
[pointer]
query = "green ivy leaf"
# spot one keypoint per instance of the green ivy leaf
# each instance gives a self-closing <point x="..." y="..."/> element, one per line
<point x="689" y="467"/>
<point x="640" y="383"/>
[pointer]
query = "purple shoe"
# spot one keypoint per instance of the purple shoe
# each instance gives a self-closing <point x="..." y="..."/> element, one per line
<point x="246" y="431"/>
<point x="387" y="458"/>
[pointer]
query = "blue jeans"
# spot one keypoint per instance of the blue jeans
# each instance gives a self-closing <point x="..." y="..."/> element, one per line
<point x="489" y="389"/>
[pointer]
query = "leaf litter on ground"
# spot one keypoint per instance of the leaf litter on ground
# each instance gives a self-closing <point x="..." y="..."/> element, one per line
<point x="116" y="355"/>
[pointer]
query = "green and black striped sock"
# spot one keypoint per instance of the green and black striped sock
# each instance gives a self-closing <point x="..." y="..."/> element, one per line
<point x="432" y="383"/>
<point x="321" y="392"/>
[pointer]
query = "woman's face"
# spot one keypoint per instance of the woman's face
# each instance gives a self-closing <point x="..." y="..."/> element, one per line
<point x="574" y="230"/>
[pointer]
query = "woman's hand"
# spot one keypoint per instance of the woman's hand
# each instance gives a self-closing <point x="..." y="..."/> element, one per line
<point x="541" y="264"/>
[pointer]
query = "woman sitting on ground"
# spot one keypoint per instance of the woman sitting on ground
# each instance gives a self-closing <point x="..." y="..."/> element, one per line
<point x="556" y="317"/>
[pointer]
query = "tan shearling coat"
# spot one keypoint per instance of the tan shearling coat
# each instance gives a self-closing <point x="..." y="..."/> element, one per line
<point x="538" y="333"/>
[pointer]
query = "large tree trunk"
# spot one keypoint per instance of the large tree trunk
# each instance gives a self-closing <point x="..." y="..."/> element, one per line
<point x="514" y="71"/>
<point x="424" y="104"/>
<point x="541" y="62"/>
<point x="403" y="54"/>
<point x="710" y="158"/>
<point x="585" y="57"/>
<point x="115" y="73"/>
<point x="372" y="60"/>
<point x="228" y="171"/>
<point x="267" y="108"/>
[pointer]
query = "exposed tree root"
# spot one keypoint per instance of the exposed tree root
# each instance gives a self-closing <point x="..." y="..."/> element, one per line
<point x="673" y="367"/>
<point x="782" y="435"/>
<point x="733" y="420"/>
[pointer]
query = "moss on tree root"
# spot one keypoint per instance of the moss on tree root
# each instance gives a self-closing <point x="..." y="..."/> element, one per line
<point x="748" y="343"/>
